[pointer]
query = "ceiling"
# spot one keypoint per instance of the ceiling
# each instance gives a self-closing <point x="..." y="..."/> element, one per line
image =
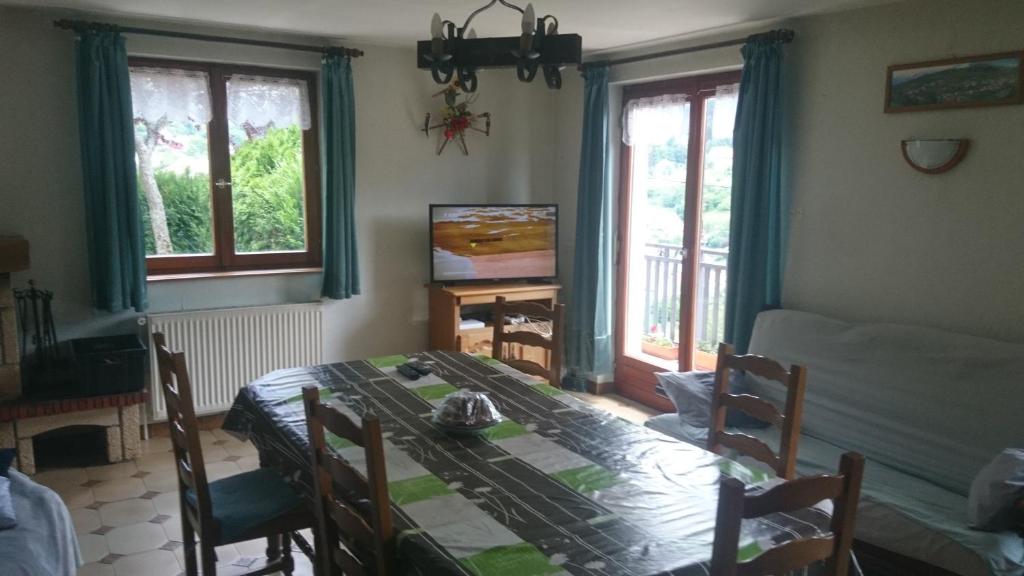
<point x="604" y="24"/>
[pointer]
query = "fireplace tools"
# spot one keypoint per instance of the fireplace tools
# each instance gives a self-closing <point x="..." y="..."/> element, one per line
<point x="46" y="366"/>
<point x="35" y="316"/>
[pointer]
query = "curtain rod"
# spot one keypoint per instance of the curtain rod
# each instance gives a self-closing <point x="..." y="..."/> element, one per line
<point x="785" y="36"/>
<point x="80" y="25"/>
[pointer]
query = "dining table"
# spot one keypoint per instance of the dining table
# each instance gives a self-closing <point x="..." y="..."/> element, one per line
<point x="557" y="487"/>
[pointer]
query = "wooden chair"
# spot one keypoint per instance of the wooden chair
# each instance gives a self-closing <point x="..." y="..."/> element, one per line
<point x="359" y="518"/>
<point x="501" y="339"/>
<point x="784" y="463"/>
<point x="734" y="506"/>
<point x="250" y="505"/>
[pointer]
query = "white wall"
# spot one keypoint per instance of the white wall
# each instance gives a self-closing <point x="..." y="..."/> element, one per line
<point x="871" y="239"/>
<point x="398" y="175"/>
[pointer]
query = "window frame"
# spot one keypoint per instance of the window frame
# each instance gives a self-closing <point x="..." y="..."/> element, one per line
<point x="636" y="377"/>
<point x="224" y="258"/>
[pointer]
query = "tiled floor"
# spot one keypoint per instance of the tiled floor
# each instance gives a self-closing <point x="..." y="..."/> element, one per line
<point x="127" y="517"/>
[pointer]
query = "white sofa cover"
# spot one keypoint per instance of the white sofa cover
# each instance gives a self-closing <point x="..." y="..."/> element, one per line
<point x="928" y="409"/>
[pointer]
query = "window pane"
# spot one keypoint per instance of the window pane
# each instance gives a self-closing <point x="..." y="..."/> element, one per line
<point x="172" y="158"/>
<point x="660" y="137"/>
<point x="266" y="118"/>
<point x="716" y="197"/>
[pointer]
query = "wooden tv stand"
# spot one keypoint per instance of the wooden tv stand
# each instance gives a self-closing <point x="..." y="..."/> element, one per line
<point x="446" y="304"/>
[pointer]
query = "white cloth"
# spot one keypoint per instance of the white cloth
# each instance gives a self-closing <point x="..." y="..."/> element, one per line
<point x="654" y="120"/>
<point x="264" y="100"/>
<point x="723" y="112"/>
<point x="952" y="400"/>
<point x="177" y="95"/>
<point x="44" y="540"/>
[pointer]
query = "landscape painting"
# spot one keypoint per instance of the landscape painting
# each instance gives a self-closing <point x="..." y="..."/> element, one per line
<point x="491" y="242"/>
<point x="990" y="80"/>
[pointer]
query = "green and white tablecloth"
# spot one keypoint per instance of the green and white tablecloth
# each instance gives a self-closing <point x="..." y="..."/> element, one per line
<point x="558" y="488"/>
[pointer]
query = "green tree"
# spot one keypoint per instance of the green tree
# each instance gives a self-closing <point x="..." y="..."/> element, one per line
<point x="266" y="176"/>
<point x="186" y="201"/>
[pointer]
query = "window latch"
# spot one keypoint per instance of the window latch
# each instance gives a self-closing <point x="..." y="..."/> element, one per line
<point x="222" y="183"/>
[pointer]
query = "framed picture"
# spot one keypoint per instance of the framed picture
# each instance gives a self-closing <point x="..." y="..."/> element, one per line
<point x="988" y="80"/>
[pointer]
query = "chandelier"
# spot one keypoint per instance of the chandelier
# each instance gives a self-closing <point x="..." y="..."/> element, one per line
<point x="457" y="52"/>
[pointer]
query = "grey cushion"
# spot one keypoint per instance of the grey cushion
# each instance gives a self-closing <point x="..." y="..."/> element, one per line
<point x="691" y="392"/>
<point x="995" y="491"/>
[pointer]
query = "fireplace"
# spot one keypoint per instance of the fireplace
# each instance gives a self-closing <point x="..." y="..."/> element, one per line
<point x="109" y="414"/>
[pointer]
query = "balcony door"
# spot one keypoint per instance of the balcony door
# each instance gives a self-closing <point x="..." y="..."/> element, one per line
<point x="675" y="192"/>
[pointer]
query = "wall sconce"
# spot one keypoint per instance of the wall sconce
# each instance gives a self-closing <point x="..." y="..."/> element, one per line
<point x="934" y="156"/>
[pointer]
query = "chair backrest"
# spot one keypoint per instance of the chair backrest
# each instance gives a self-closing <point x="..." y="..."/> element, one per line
<point x="501" y="350"/>
<point x="343" y="516"/>
<point x="734" y="506"/>
<point x="184" y="431"/>
<point x="784" y="463"/>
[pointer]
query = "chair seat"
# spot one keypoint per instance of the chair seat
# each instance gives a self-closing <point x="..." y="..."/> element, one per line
<point x="244" y="502"/>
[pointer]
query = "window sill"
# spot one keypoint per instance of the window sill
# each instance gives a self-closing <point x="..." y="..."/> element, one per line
<point x="230" y="274"/>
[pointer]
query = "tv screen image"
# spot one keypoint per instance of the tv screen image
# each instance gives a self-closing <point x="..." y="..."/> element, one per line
<point x="491" y="242"/>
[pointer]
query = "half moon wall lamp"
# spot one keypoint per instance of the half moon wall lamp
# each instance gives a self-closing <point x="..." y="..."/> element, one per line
<point x="934" y="156"/>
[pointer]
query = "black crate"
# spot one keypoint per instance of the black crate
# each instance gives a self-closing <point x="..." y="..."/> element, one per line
<point x="110" y="364"/>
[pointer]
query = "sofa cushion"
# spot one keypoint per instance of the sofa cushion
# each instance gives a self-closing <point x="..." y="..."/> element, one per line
<point x="8" y="518"/>
<point x="932" y="404"/>
<point x="996" y="491"/>
<point x="691" y="392"/>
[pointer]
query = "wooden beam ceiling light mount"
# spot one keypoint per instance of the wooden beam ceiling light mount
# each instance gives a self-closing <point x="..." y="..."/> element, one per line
<point x="454" y="51"/>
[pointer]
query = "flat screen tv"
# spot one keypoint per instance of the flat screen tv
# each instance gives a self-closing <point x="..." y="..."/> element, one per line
<point x="482" y="242"/>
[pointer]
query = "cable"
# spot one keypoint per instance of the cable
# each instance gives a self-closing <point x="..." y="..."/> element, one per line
<point x="542" y="327"/>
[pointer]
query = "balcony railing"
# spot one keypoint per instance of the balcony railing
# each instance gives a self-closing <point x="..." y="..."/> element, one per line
<point x="662" y="294"/>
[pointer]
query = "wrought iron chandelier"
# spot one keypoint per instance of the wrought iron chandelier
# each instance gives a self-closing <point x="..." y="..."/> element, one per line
<point x="453" y="51"/>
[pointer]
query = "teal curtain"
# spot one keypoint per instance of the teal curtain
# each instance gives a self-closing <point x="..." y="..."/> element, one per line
<point x="589" y="334"/>
<point x="117" y="259"/>
<point x="756" y="233"/>
<point x="341" y="263"/>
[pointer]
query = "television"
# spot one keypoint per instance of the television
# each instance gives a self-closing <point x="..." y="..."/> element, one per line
<point x="486" y="242"/>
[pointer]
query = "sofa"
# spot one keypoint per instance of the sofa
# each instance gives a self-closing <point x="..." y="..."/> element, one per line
<point x="928" y="409"/>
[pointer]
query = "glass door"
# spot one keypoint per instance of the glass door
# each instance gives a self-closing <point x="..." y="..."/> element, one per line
<point x="712" y="250"/>
<point x="674" y="229"/>
<point x="660" y="134"/>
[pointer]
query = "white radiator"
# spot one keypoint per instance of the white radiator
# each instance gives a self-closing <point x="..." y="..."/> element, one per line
<point x="227" y="349"/>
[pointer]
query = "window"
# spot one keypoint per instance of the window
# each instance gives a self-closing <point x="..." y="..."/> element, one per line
<point x="675" y="196"/>
<point x="228" y="166"/>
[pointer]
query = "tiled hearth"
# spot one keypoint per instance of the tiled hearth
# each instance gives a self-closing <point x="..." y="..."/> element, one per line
<point x="127" y="517"/>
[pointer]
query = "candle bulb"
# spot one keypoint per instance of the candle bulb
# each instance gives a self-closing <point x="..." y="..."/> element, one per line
<point x="528" y="19"/>
<point x="435" y="26"/>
